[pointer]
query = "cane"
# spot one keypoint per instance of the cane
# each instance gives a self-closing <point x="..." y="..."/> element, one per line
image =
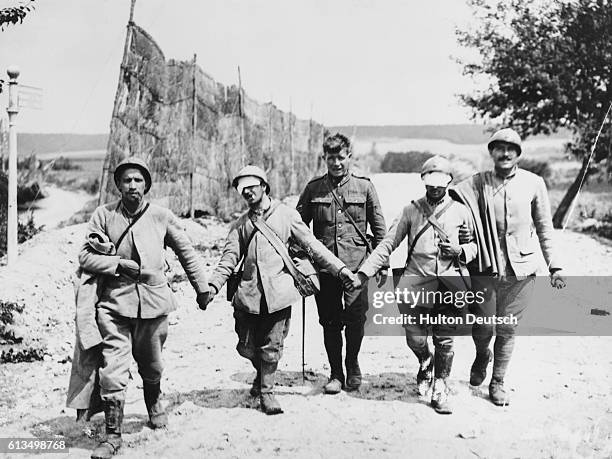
<point x="303" y="339"/>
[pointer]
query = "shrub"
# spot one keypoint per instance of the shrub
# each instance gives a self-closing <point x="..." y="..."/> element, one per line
<point x="541" y="168"/>
<point x="411" y="161"/>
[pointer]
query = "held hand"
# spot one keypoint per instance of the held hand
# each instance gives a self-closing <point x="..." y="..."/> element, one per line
<point x="361" y="280"/>
<point x="348" y="279"/>
<point x="450" y="249"/>
<point x="205" y="298"/>
<point x="465" y="235"/>
<point x="128" y="268"/>
<point x="381" y="277"/>
<point x="557" y="280"/>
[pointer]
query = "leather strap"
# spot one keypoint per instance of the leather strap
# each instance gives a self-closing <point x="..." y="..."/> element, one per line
<point x="424" y="228"/>
<point x="348" y="216"/>
<point x="136" y="218"/>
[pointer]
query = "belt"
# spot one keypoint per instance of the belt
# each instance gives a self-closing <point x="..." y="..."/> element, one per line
<point x="146" y="277"/>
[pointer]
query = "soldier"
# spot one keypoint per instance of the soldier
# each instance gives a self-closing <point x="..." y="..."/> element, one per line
<point x="135" y="299"/>
<point x="262" y="302"/>
<point x="341" y="205"/>
<point x="437" y="261"/>
<point x="505" y="203"/>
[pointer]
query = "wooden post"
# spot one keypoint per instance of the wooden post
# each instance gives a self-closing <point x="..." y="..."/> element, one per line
<point x="13" y="109"/>
<point x="241" y="114"/>
<point x="126" y="47"/>
<point x="194" y="120"/>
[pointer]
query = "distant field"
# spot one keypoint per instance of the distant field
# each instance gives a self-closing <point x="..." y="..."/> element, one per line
<point x="86" y="178"/>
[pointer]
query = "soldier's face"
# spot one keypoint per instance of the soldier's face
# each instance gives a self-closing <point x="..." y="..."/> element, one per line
<point x="253" y="194"/>
<point x="505" y="155"/>
<point x="435" y="192"/>
<point x="337" y="163"/>
<point x="132" y="186"/>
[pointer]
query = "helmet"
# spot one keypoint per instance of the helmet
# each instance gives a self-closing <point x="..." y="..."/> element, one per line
<point x="437" y="171"/>
<point x="507" y="135"/>
<point x="251" y="171"/>
<point x="137" y="163"/>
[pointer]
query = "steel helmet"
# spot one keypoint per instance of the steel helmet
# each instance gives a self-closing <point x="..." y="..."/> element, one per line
<point x="507" y="135"/>
<point x="251" y="171"/>
<point x="437" y="171"/>
<point x="136" y="163"/>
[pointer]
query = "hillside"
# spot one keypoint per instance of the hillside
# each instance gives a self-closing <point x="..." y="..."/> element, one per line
<point x="50" y="143"/>
<point x="455" y="133"/>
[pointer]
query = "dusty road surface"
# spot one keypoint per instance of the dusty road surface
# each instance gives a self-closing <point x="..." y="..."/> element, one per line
<point x="561" y="386"/>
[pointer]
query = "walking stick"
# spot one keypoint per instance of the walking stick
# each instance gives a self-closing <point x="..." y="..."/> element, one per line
<point x="303" y="339"/>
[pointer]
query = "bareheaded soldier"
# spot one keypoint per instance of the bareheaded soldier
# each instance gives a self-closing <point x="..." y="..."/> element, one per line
<point x="340" y="206"/>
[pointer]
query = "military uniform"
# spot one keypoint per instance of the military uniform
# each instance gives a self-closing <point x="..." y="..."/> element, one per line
<point x="334" y="229"/>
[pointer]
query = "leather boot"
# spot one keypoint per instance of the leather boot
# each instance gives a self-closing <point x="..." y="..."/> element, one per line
<point x="497" y="393"/>
<point x="354" y="336"/>
<point x="332" y="338"/>
<point x="443" y="362"/>
<point x="439" y="397"/>
<point x="268" y="402"/>
<point x="255" y="389"/>
<point x="113" y="418"/>
<point x="158" y="419"/>
<point x="478" y="372"/>
<point x="425" y="375"/>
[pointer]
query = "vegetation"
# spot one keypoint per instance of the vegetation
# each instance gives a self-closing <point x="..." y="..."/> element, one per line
<point x="548" y="67"/>
<point x="411" y="161"/>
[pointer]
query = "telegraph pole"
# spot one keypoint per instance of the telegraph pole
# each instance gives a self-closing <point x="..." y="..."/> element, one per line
<point x="13" y="109"/>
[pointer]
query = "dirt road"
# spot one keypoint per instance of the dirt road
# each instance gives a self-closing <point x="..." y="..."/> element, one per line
<point x="561" y="386"/>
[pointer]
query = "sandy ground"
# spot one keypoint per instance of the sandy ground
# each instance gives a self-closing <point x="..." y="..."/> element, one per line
<point x="561" y="386"/>
<point x="58" y="206"/>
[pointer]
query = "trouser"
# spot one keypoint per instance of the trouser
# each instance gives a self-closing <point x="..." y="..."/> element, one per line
<point x="503" y="297"/>
<point x="337" y="310"/>
<point x="442" y="335"/>
<point x="260" y="340"/>
<point x="122" y="338"/>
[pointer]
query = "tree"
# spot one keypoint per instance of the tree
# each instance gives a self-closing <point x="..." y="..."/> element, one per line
<point x="13" y="15"/>
<point x="548" y="65"/>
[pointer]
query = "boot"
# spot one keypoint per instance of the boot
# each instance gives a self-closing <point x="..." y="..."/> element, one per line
<point x="439" y="397"/>
<point x="478" y="372"/>
<point x="354" y="336"/>
<point x="255" y="389"/>
<point x="158" y="419"/>
<point x="268" y="402"/>
<point x="497" y="393"/>
<point x="332" y="338"/>
<point x="113" y="418"/>
<point x="425" y="375"/>
<point x="443" y="362"/>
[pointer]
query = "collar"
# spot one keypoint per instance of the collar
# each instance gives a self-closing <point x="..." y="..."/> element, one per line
<point x="126" y="211"/>
<point x="434" y="204"/>
<point x="335" y="182"/>
<point x="263" y="209"/>
<point x="507" y="177"/>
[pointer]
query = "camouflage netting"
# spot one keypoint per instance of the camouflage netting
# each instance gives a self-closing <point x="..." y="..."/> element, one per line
<point x="201" y="149"/>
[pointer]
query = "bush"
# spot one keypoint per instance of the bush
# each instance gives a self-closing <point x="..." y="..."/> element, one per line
<point x="64" y="164"/>
<point x="411" y="161"/>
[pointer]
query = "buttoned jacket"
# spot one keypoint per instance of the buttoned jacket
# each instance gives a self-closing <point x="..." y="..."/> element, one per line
<point x="329" y="223"/>
<point x="265" y="272"/>
<point x="145" y="243"/>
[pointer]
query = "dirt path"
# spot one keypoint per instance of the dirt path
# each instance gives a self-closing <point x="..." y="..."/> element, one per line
<point x="561" y="386"/>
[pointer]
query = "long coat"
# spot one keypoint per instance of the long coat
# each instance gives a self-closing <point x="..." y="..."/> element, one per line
<point x="264" y="270"/>
<point x="145" y="243"/>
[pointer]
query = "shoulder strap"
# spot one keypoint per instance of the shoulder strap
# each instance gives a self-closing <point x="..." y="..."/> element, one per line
<point x="252" y="235"/>
<point x="136" y="218"/>
<point x="430" y="221"/>
<point x="277" y="244"/>
<point x="348" y="216"/>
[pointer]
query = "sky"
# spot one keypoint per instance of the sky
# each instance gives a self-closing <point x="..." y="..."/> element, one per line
<point x="341" y="62"/>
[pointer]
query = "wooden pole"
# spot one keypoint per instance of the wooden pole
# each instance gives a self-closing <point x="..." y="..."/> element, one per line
<point x="13" y="109"/>
<point x="126" y="47"/>
<point x="194" y="120"/>
<point x="241" y="114"/>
